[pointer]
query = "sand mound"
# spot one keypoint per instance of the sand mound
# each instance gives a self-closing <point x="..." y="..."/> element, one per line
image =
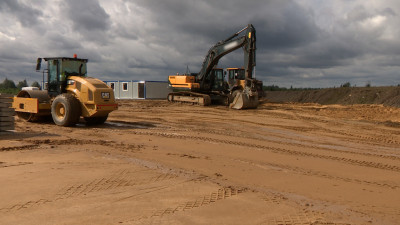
<point x="389" y="96"/>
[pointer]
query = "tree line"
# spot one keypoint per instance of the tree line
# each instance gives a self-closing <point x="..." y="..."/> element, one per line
<point x="9" y="87"/>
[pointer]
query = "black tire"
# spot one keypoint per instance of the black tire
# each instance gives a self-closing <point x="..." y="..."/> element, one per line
<point x="65" y="110"/>
<point x="95" y="120"/>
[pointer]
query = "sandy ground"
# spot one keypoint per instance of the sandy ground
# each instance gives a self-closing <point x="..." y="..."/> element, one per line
<point x="154" y="162"/>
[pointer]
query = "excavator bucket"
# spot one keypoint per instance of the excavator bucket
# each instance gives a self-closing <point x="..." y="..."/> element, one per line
<point x="244" y="101"/>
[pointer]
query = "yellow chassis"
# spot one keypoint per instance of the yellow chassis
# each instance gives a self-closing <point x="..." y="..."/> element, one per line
<point x="29" y="105"/>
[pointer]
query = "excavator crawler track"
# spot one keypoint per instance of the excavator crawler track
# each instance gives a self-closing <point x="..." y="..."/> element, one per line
<point x="190" y="97"/>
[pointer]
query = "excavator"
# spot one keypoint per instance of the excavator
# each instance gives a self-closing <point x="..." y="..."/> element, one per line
<point x="69" y="94"/>
<point x="209" y="84"/>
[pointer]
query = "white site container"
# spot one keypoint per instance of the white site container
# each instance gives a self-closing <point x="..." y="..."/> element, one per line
<point x="124" y="89"/>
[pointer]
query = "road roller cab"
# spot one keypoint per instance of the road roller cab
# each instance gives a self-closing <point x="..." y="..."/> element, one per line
<point x="68" y="95"/>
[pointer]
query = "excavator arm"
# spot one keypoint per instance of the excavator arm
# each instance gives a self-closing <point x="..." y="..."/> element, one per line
<point x="222" y="48"/>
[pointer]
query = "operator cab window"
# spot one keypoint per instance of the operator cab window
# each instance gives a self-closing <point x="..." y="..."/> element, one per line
<point x="241" y="75"/>
<point x="219" y="75"/>
<point x="231" y="75"/>
<point x="74" y="68"/>
<point x="125" y="86"/>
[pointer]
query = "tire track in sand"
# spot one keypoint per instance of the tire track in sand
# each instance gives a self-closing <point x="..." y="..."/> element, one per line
<point x="277" y="150"/>
<point x="314" y="146"/>
<point x="302" y="171"/>
<point x="301" y="218"/>
<point x="122" y="178"/>
<point x="219" y="195"/>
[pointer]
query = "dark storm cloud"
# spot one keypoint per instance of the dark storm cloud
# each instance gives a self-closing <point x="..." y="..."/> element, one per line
<point x="285" y="25"/>
<point x="355" y="47"/>
<point x="59" y="41"/>
<point x="25" y="14"/>
<point x="14" y="53"/>
<point x="87" y="15"/>
<point x="279" y="23"/>
<point x="193" y="27"/>
<point x="88" y="19"/>
<point x="325" y="53"/>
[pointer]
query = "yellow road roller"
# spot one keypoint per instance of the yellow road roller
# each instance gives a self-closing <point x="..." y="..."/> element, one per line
<point x="68" y="95"/>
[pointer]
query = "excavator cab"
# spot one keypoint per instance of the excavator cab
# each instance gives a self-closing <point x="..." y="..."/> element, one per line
<point x="217" y="78"/>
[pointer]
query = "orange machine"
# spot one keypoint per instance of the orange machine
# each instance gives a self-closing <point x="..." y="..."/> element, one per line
<point x="183" y="82"/>
<point x="189" y="89"/>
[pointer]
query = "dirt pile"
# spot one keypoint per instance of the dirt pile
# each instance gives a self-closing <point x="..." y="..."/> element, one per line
<point x="389" y="96"/>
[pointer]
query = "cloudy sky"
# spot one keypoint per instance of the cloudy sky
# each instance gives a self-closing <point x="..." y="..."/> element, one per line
<point x="300" y="43"/>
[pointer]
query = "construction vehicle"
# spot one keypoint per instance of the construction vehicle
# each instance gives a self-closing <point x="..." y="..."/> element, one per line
<point x="69" y="94"/>
<point x="209" y="83"/>
<point x="236" y="78"/>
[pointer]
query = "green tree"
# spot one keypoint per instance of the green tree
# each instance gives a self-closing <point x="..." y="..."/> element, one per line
<point x="22" y="84"/>
<point x="347" y="84"/>
<point x="8" y="84"/>
<point x="274" y="88"/>
<point x="36" y="84"/>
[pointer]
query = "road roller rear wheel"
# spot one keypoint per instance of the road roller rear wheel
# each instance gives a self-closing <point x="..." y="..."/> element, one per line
<point x="65" y="110"/>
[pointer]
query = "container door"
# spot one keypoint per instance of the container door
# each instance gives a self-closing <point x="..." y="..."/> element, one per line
<point x="141" y="90"/>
